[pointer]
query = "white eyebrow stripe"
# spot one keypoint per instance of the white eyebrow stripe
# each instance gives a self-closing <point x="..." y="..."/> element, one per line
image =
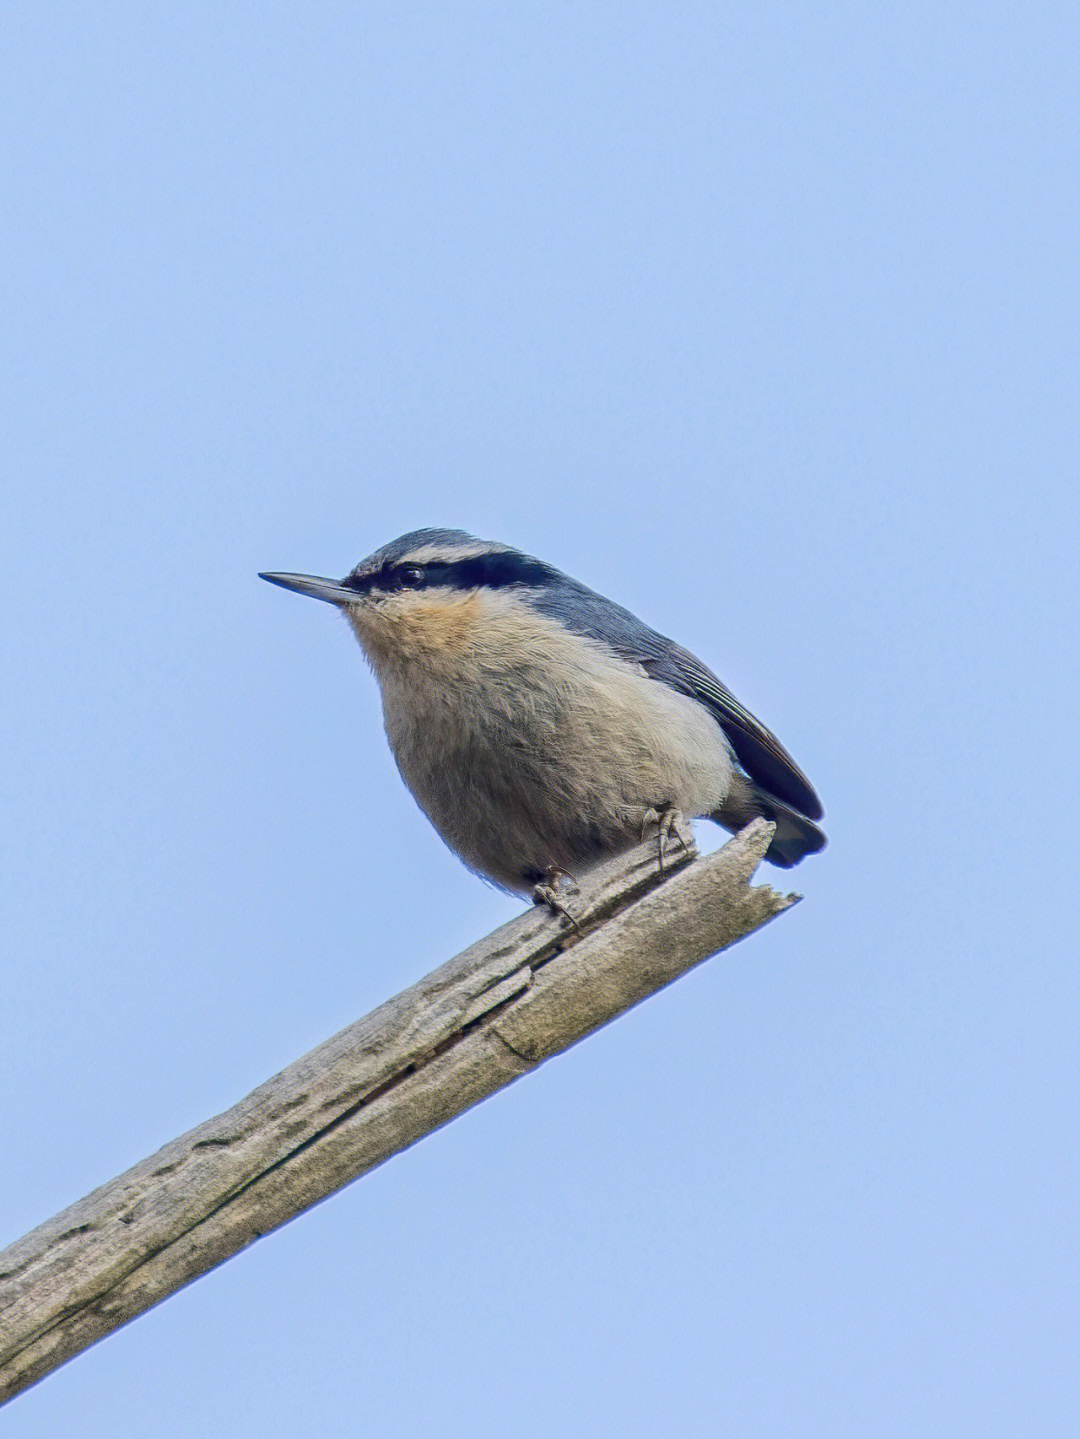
<point x="443" y="554"/>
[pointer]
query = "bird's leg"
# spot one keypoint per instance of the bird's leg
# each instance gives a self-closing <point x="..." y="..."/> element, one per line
<point x="668" y="821"/>
<point x="547" y="892"/>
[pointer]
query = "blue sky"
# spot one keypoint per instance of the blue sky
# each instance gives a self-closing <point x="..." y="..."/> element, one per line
<point x="762" y="320"/>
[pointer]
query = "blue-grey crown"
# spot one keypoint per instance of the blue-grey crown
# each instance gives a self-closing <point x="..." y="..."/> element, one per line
<point x="448" y="541"/>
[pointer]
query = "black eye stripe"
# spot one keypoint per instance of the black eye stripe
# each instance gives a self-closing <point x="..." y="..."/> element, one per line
<point x="498" y="570"/>
<point x="491" y="571"/>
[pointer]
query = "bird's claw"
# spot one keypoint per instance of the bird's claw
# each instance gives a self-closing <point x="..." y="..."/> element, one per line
<point x="548" y="893"/>
<point x="668" y="821"/>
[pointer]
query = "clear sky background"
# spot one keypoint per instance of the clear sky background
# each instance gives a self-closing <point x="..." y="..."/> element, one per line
<point x="762" y="320"/>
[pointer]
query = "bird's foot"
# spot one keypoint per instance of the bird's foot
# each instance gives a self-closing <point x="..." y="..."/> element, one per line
<point x="668" y="822"/>
<point x="547" y="892"/>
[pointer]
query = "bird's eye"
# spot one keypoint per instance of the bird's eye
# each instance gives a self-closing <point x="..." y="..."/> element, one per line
<point x="411" y="577"/>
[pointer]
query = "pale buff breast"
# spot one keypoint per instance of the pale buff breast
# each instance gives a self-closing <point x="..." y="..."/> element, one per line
<point x="528" y="746"/>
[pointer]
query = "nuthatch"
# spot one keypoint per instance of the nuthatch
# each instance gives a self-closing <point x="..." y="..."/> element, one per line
<point x="541" y="727"/>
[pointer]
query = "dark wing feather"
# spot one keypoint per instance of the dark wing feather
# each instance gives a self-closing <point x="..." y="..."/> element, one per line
<point x="758" y="750"/>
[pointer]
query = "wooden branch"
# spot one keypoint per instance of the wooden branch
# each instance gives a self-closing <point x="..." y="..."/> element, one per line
<point x="509" y="1002"/>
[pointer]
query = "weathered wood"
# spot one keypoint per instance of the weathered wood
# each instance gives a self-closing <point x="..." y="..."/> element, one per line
<point x="527" y="991"/>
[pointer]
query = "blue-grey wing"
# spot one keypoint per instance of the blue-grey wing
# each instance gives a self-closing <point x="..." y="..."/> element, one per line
<point x="758" y="750"/>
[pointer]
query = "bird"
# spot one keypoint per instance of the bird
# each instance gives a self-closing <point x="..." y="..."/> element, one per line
<point x="541" y="727"/>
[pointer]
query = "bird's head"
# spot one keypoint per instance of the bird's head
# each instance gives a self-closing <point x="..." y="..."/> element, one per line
<point x="427" y="593"/>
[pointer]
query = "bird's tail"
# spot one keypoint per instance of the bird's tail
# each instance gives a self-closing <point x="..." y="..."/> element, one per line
<point x="795" y="837"/>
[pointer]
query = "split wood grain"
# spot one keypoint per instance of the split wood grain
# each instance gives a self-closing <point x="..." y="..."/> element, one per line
<point x="496" y="1011"/>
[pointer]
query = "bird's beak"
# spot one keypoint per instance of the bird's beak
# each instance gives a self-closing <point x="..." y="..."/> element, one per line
<point x="332" y="591"/>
